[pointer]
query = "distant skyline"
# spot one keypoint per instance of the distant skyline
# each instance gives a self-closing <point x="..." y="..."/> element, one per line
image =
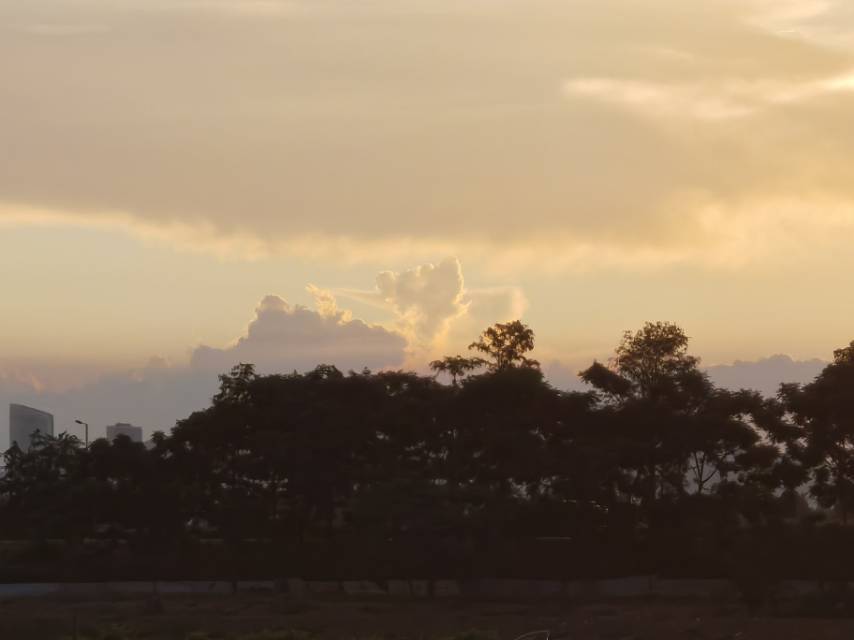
<point x="154" y="397"/>
<point x="185" y="183"/>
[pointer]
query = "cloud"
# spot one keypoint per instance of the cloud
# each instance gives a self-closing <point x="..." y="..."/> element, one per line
<point x="195" y="236"/>
<point x="425" y="299"/>
<point x="327" y="305"/>
<point x="708" y="101"/>
<point x="20" y="381"/>
<point x="429" y="301"/>
<point x="728" y="234"/>
<point x="483" y="307"/>
<point x="434" y="308"/>
<point x="243" y="7"/>
<point x="59" y="29"/>
<point x="766" y="374"/>
<point x="496" y="304"/>
<point x="282" y="337"/>
<point x="824" y="22"/>
<point x="387" y="131"/>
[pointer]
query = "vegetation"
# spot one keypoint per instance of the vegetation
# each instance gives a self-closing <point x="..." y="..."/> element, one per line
<point x="653" y="469"/>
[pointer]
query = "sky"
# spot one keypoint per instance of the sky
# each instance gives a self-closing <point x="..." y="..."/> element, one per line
<point x="189" y="183"/>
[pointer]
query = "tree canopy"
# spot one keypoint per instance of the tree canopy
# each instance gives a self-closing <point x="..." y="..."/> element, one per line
<point x="652" y="448"/>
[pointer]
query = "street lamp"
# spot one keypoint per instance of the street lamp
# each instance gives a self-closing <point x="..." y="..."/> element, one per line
<point x="85" y="424"/>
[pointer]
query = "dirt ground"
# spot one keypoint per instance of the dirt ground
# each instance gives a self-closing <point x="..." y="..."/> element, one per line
<point x="239" y="616"/>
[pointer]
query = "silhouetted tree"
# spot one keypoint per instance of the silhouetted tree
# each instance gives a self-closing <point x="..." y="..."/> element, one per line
<point x="823" y="410"/>
<point x="653" y="460"/>
<point x="505" y="345"/>
<point x="234" y="386"/>
<point x="456" y="366"/>
<point x="41" y="486"/>
<point x="678" y="433"/>
<point x="650" y="361"/>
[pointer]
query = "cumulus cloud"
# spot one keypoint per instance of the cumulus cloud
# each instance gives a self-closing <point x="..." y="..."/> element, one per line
<point x="484" y="307"/>
<point x="280" y="338"/>
<point x="434" y="308"/>
<point x="430" y="304"/>
<point x="426" y="298"/>
<point x="283" y="337"/>
<point x="327" y="305"/>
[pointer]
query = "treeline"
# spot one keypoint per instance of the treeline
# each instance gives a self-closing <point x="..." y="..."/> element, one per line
<point x="482" y="468"/>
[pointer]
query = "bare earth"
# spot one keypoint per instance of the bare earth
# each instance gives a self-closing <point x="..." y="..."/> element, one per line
<point x="234" y="616"/>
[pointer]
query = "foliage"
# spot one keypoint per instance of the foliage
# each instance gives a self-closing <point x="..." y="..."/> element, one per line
<point x="822" y="440"/>
<point x="505" y="346"/>
<point x="654" y="456"/>
<point x="456" y="366"/>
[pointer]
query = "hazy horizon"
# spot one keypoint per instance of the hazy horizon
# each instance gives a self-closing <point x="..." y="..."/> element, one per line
<point x="156" y="396"/>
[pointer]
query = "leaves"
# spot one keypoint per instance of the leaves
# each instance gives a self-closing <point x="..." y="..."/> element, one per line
<point x="505" y="346"/>
<point x="499" y="452"/>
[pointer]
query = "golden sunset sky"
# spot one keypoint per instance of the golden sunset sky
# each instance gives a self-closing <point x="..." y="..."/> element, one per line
<point x="178" y="176"/>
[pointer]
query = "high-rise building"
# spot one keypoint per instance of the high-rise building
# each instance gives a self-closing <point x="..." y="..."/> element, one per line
<point x="124" y="429"/>
<point x="25" y="421"/>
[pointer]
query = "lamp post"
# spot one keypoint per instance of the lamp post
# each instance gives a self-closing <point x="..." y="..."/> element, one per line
<point x="86" y="425"/>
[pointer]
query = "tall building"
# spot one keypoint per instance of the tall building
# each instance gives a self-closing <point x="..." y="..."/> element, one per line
<point x="25" y="421"/>
<point x="124" y="429"/>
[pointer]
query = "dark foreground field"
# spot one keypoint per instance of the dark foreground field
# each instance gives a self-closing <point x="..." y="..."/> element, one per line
<point x="251" y="617"/>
